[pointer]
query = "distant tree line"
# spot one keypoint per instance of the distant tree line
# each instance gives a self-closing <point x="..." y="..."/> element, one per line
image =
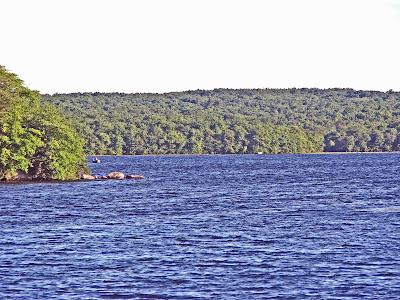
<point x="235" y="121"/>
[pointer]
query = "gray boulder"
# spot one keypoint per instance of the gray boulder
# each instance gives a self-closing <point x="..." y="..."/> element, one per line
<point x="87" y="177"/>
<point x="116" y="175"/>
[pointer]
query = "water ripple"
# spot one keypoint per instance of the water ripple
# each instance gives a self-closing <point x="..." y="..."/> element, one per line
<point x="200" y="227"/>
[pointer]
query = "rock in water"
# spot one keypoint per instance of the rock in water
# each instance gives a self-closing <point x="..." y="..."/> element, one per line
<point x="87" y="177"/>
<point x="134" y="176"/>
<point x="116" y="175"/>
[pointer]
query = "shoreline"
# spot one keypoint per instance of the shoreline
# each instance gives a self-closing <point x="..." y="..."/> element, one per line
<point x="208" y="154"/>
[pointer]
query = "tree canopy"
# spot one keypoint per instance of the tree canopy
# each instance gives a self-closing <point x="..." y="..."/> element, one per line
<point x="35" y="139"/>
<point x="235" y="121"/>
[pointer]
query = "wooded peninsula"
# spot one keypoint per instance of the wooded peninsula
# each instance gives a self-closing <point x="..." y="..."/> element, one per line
<point x="235" y="121"/>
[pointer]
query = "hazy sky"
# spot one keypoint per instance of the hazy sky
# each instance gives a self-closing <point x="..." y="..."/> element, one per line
<point x="171" y="45"/>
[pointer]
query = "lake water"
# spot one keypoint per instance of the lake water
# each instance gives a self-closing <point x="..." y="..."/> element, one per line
<point x="218" y="226"/>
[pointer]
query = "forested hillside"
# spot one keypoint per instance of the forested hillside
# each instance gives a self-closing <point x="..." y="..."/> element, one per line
<point x="235" y="121"/>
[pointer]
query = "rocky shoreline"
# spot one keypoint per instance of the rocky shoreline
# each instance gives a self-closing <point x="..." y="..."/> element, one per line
<point x="112" y="175"/>
<point x="23" y="177"/>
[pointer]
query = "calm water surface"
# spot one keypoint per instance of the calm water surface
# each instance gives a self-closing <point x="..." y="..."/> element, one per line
<point x="221" y="227"/>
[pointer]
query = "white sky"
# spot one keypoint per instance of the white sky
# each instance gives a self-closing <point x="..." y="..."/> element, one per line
<point x="174" y="45"/>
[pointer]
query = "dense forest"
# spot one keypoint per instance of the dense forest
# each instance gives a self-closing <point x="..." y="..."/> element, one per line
<point x="235" y="121"/>
<point x="36" y="141"/>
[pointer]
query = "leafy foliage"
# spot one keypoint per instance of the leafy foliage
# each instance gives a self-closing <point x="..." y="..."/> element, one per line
<point x="35" y="139"/>
<point x="235" y="121"/>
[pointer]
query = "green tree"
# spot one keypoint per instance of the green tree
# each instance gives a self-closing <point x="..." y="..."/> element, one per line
<point x="231" y="121"/>
<point x="35" y="139"/>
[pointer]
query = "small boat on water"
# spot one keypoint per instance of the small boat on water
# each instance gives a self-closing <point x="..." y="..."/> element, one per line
<point x="96" y="160"/>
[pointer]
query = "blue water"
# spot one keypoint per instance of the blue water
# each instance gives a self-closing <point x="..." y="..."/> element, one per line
<point x="220" y="227"/>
